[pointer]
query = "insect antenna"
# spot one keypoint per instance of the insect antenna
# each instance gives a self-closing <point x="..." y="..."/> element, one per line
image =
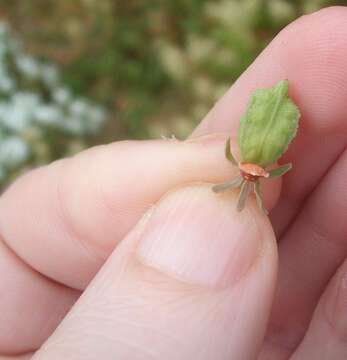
<point x="228" y="153"/>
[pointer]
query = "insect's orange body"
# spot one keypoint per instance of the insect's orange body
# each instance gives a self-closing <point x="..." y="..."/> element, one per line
<point x="252" y="172"/>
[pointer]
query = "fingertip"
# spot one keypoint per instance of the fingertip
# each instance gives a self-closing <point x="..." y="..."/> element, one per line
<point x="79" y="209"/>
<point x="310" y="53"/>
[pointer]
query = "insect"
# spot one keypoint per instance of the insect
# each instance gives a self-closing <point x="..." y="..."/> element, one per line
<point x="266" y="130"/>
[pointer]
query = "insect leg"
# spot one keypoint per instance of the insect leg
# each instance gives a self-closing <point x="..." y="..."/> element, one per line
<point x="259" y="198"/>
<point x="244" y="192"/>
<point x="281" y="170"/>
<point x="234" y="183"/>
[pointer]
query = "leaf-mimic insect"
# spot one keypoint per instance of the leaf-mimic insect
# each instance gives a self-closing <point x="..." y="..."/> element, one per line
<point x="265" y="132"/>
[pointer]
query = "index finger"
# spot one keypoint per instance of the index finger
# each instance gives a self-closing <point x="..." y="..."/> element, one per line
<point x="311" y="53"/>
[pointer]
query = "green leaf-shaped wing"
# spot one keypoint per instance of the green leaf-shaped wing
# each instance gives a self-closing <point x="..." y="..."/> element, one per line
<point x="268" y="126"/>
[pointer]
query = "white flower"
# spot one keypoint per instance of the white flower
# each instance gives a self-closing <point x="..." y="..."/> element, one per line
<point x="14" y="118"/>
<point x="28" y="66"/>
<point x="48" y="115"/>
<point x="96" y="116"/>
<point x="62" y="96"/>
<point x="16" y="114"/>
<point x="7" y="84"/>
<point x="90" y="116"/>
<point x="13" y="151"/>
<point x="74" y="126"/>
<point x="27" y="100"/>
<point x="29" y="108"/>
<point x="49" y="75"/>
<point x="79" y="108"/>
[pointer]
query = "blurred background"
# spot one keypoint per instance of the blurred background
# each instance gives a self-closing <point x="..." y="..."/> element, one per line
<point x="75" y="73"/>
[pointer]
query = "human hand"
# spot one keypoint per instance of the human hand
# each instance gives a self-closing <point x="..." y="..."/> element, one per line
<point x="187" y="276"/>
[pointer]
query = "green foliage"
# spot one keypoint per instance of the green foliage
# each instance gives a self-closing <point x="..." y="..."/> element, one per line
<point x="158" y="65"/>
<point x="40" y="119"/>
<point x="268" y="126"/>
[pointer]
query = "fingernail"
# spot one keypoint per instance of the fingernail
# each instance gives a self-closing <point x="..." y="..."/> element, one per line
<point x="198" y="237"/>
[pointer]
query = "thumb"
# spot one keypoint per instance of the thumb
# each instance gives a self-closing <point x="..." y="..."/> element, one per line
<point x="194" y="279"/>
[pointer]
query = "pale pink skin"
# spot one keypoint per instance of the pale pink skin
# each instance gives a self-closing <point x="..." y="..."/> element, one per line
<point x="59" y="224"/>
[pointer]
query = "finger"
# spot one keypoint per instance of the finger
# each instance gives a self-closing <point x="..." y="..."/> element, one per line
<point x="19" y="357"/>
<point x="194" y="280"/>
<point x="31" y="305"/>
<point x="73" y="213"/>
<point x="311" y="54"/>
<point x="310" y="252"/>
<point x="86" y="204"/>
<point x="327" y="334"/>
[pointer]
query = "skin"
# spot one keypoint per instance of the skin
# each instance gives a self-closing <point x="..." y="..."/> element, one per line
<point x="191" y="277"/>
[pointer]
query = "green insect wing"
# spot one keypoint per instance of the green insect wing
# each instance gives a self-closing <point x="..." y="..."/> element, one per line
<point x="269" y="125"/>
